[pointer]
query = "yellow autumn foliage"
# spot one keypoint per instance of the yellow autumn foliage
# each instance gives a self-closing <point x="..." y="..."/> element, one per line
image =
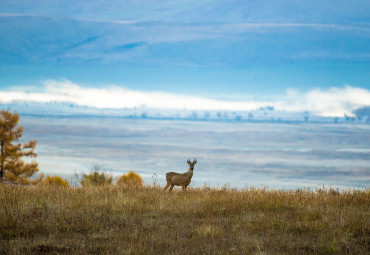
<point x="131" y="179"/>
<point x="13" y="168"/>
<point x="55" y="181"/>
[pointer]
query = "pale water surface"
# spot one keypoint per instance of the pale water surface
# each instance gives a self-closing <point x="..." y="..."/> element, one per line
<point x="278" y="155"/>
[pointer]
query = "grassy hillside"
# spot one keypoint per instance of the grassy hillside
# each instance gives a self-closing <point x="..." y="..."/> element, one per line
<point x="111" y="220"/>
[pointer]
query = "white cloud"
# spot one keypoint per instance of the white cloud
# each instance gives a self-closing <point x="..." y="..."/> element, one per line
<point x="331" y="102"/>
<point x="117" y="97"/>
<point x="123" y="22"/>
<point x="334" y="102"/>
<point x="229" y="26"/>
<point x="246" y="26"/>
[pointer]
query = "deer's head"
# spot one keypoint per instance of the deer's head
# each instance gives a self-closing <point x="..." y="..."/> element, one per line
<point x="191" y="164"/>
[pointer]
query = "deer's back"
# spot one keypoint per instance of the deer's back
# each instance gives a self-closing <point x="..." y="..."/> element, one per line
<point x="178" y="179"/>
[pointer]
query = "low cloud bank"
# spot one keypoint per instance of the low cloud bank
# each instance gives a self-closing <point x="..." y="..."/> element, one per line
<point x="334" y="102"/>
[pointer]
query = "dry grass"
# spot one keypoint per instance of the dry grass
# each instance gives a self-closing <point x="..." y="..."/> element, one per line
<point x="113" y="220"/>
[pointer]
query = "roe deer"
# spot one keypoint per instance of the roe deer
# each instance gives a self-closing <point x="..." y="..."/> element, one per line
<point x="180" y="179"/>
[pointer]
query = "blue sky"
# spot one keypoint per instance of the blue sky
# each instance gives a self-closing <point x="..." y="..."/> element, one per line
<point x="229" y="50"/>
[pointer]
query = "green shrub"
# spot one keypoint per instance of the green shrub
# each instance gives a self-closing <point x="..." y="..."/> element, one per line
<point x="96" y="177"/>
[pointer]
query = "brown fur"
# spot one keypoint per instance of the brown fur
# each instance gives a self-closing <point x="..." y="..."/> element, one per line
<point x="176" y="179"/>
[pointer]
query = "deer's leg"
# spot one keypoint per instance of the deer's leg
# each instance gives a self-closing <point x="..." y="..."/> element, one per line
<point x="171" y="188"/>
<point x="183" y="188"/>
<point x="186" y="187"/>
<point x="167" y="185"/>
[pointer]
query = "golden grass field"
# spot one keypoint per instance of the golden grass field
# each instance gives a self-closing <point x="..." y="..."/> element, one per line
<point x="114" y="220"/>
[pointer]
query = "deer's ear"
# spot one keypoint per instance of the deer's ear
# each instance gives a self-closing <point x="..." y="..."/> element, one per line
<point x="189" y="161"/>
<point x="195" y="161"/>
